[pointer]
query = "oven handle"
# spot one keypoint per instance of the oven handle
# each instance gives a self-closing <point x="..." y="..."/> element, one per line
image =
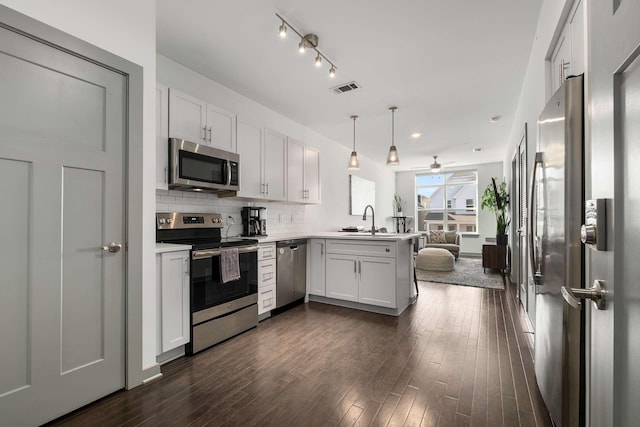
<point x="216" y="252"/>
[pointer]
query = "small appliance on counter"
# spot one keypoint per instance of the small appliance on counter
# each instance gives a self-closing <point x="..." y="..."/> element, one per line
<point x="254" y="221"/>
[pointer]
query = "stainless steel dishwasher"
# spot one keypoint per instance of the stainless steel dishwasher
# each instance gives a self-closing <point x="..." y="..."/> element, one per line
<point x="291" y="271"/>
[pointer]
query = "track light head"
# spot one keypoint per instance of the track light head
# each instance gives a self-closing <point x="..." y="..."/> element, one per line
<point x="283" y="30"/>
<point x="332" y="71"/>
<point x="301" y="47"/>
<point x="318" y="60"/>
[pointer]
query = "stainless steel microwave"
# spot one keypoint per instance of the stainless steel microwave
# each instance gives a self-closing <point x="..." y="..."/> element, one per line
<point x="198" y="167"/>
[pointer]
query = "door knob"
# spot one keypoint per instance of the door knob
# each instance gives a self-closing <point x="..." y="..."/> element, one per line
<point x="112" y="247"/>
<point x="594" y="293"/>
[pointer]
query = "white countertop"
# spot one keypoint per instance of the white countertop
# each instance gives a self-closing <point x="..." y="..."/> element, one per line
<point x="171" y="247"/>
<point x="335" y="235"/>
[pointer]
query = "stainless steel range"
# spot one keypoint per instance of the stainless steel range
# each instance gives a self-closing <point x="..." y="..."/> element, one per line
<point x="218" y="310"/>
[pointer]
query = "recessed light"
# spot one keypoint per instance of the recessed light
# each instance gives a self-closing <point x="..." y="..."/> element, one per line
<point x="416" y="135"/>
<point x="494" y="119"/>
<point x="477" y="150"/>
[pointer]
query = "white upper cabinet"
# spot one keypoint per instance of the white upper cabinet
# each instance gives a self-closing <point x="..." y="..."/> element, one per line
<point x="303" y="173"/>
<point x="295" y="166"/>
<point x="312" y="175"/>
<point x="250" y="145"/>
<point x="568" y="56"/>
<point x="187" y="117"/>
<point x="162" y="136"/>
<point x="275" y="165"/>
<point x="194" y="120"/>
<point x="221" y="128"/>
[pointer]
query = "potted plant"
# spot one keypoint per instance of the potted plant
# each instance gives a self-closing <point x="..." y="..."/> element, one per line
<point x="398" y="205"/>
<point x="495" y="199"/>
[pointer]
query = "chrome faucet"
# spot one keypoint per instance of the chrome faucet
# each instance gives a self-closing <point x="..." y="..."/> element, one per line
<point x="373" y="218"/>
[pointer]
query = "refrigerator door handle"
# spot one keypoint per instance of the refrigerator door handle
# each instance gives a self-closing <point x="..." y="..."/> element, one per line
<point x="537" y="276"/>
<point x="596" y="294"/>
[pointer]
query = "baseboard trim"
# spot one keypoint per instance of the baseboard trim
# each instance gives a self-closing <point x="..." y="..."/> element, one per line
<point x="151" y="373"/>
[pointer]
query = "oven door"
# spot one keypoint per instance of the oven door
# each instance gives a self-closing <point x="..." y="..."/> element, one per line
<point x="207" y="289"/>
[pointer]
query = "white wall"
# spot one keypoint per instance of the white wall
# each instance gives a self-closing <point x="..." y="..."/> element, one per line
<point x="126" y="29"/>
<point x="470" y="243"/>
<point x="535" y="88"/>
<point x="333" y="213"/>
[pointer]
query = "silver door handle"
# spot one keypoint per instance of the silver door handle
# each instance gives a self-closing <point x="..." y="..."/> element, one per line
<point x="112" y="247"/>
<point x="360" y="267"/>
<point x="321" y="249"/>
<point x="210" y="131"/>
<point x="595" y="293"/>
<point x="537" y="274"/>
<point x="354" y="267"/>
<point x="204" y="136"/>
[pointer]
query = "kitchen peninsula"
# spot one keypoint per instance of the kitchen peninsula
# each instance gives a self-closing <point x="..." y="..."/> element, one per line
<point x="360" y="270"/>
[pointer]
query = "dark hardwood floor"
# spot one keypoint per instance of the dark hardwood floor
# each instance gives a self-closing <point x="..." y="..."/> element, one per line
<point x="458" y="357"/>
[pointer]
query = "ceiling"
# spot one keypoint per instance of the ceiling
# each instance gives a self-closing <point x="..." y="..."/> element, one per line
<point x="449" y="66"/>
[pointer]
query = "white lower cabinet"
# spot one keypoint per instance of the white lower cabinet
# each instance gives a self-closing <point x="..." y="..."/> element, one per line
<point x="266" y="277"/>
<point x="173" y="299"/>
<point x="361" y="278"/>
<point x="377" y="281"/>
<point x="342" y="277"/>
<point x="266" y="298"/>
<point x="316" y="250"/>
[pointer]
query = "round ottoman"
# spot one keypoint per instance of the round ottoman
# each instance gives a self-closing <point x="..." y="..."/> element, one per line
<point x="435" y="259"/>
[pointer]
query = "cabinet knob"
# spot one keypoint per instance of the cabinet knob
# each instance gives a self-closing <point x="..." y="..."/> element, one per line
<point x="387" y="250"/>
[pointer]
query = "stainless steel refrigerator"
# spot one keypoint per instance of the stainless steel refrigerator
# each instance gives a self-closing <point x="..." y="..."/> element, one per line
<point x="557" y="255"/>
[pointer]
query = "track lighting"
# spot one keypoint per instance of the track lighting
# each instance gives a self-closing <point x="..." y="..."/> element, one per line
<point x="392" y="158"/>
<point x="435" y="166"/>
<point x="354" y="164"/>
<point x="307" y="41"/>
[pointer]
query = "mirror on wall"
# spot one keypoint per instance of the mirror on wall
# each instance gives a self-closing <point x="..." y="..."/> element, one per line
<point x="362" y="192"/>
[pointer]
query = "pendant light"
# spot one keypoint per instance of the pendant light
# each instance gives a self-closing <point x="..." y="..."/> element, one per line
<point x="392" y="158"/>
<point x="354" y="164"/>
<point x="435" y="166"/>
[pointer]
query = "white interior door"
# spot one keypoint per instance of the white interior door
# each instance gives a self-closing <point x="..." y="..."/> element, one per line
<point x="612" y="172"/>
<point x="62" y="127"/>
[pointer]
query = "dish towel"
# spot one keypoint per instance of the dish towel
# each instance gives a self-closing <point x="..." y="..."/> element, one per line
<point x="229" y="265"/>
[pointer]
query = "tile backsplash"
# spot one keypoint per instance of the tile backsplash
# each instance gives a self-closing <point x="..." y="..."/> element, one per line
<point x="282" y="217"/>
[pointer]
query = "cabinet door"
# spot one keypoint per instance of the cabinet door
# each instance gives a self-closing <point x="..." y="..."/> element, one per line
<point x="187" y="117"/>
<point x="312" y="175"/>
<point x="275" y="165"/>
<point x="250" y="145"/>
<point x="175" y="299"/>
<point x="221" y="129"/>
<point x="377" y="284"/>
<point x="317" y="282"/>
<point x="341" y="277"/>
<point x="295" y="171"/>
<point x="162" y="135"/>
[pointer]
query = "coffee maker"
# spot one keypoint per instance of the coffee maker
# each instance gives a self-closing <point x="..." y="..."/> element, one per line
<point x="254" y="221"/>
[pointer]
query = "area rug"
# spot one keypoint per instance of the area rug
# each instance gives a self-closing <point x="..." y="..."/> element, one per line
<point x="467" y="272"/>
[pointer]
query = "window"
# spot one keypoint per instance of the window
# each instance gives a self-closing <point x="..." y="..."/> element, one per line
<point x="448" y="201"/>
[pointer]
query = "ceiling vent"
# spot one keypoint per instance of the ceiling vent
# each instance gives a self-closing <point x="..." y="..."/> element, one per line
<point x="346" y="87"/>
